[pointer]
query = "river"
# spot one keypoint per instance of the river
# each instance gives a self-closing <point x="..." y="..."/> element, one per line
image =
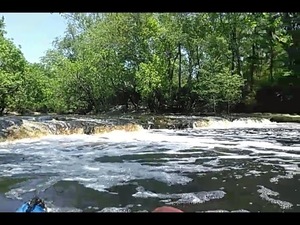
<point x="243" y="166"/>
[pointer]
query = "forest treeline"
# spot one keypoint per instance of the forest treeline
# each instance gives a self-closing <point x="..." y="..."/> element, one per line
<point x="167" y="62"/>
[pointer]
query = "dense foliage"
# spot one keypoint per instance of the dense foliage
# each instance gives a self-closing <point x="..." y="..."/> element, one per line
<point x="167" y="62"/>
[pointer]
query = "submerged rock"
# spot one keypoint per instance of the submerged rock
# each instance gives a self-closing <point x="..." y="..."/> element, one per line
<point x="285" y="119"/>
<point x="19" y="128"/>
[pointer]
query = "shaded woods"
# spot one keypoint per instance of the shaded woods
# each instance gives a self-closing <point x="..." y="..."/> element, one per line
<point x="166" y="62"/>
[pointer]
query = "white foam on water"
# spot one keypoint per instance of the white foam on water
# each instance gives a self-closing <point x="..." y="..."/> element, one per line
<point x="17" y="193"/>
<point x="110" y="143"/>
<point x="214" y="123"/>
<point x="278" y="177"/>
<point x="265" y="194"/>
<point x="291" y="167"/>
<point x="54" y="209"/>
<point x="180" y="198"/>
<point x="80" y="179"/>
<point x="215" y="211"/>
<point x="236" y="157"/>
<point x="27" y="186"/>
<point x="115" y="210"/>
<point x="110" y="174"/>
<point x="74" y="157"/>
<point x="266" y="145"/>
<point x="91" y="168"/>
<point x="225" y="211"/>
<point x="5" y="151"/>
<point x="240" y="211"/>
<point x="188" y="168"/>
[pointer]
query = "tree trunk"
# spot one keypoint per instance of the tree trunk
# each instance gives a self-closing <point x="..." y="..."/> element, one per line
<point x="236" y="50"/>
<point x="228" y="107"/>
<point x="214" y="105"/>
<point x="198" y="63"/>
<point x="232" y="60"/>
<point x="238" y="65"/>
<point x="2" y="103"/>
<point x="190" y="69"/>
<point x="250" y="79"/>
<point x="179" y="69"/>
<point x="170" y="73"/>
<point x="271" y="78"/>
<point x="272" y="53"/>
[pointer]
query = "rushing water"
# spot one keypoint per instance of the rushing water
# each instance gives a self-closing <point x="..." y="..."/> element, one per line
<point x="238" y="166"/>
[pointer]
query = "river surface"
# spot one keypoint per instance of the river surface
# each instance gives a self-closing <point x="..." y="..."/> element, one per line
<point x="235" y="168"/>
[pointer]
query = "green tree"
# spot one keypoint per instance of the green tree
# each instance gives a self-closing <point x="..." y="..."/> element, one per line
<point x="12" y="65"/>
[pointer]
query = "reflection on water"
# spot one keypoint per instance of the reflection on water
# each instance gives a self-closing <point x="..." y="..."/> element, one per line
<point x="245" y="169"/>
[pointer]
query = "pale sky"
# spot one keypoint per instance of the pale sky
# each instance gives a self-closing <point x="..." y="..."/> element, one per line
<point x="35" y="32"/>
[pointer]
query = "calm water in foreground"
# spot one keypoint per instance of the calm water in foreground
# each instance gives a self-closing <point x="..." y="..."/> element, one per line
<point x="238" y="167"/>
